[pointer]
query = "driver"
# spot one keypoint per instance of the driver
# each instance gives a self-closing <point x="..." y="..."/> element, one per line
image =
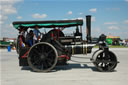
<point x="37" y="34"/>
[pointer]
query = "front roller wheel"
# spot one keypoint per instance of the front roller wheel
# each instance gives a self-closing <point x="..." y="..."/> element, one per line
<point x="42" y="57"/>
<point x="104" y="63"/>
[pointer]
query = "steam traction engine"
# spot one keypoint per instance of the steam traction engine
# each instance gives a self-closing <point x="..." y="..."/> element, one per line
<point x="55" y="48"/>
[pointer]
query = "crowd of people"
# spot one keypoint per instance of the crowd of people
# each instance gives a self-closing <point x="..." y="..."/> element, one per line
<point x="31" y="37"/>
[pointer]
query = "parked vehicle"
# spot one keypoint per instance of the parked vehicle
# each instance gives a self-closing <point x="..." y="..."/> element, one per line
<point x="55" y="48"/>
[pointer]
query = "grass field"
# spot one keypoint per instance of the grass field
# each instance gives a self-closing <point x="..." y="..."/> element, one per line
<point x="116" y="46"/>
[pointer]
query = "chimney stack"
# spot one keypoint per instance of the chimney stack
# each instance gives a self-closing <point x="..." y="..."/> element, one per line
<point x="88" y="28"/>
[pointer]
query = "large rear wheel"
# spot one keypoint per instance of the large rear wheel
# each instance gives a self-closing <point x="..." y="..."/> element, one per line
<point x="42" y="57"/>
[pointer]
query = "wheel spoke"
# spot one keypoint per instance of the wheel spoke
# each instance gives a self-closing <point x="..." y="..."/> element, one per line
<point x="36" y="62"/>
<point x="49" y="61"/>
<point x="42" y="49"/>
<point x="102" y="64"/>
<point x="42" y="66"/>
<point x="99" y="64"/>
<point x="109" y="67"/>
<point x="35" y="57"/>
<point x="45" y="64"/>
<point x="50" y="52"/>
<point x="36" y="52"/>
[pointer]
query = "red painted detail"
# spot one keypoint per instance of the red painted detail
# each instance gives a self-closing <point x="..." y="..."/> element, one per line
<point x="58" y="33"/>
<point x="24" y="56"/>
<point x="52" y="35"/>
<point x="54" y="38"/>
<point x="64" y="56"/>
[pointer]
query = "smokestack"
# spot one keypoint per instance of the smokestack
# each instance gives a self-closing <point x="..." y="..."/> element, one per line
<point x="88" y="28"/>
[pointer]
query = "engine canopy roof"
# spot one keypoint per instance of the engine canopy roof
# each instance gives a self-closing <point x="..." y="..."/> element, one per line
<point x="47" y="24"/>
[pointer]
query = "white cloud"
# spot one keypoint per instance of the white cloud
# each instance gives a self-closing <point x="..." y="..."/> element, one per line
<point x="8" y="9"/>
<point x="80" y="18"/>
<point x="8" y="31"/>
<point x="81" y="13"/>
<point x="7" y="6"/>
<point x="74" y="18"/>
<point x="10" y="1"/>
<point x="77" y="18"/>
<point x="113" y="27"/>
<point x="39" y="15"/>
<point x="126" y="22"/>
<point x="126" y="0"/>
<point x="70" y="12"/>
<point x="3" y="18"/>
<point x="19" y="17"/>
<point x="10" y="25"/>
<point x="93" y="10"/>
<point x="93" y="19"/>
<point x="96" y="31"/>
<point x="1" y="22"/>
<point x="110" y="23"/>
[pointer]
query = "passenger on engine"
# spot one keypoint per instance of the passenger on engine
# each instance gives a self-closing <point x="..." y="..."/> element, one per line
<point x="29" y="38"/>
<point x="37" y="34"/>
<point x="22" y="33"/>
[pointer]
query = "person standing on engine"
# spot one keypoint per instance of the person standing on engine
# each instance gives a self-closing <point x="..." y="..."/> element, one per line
<point x="37" y="34"/>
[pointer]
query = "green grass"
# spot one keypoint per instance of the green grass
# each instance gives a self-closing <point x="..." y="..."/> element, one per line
<point x="112" y="46"/>
<point x="117" y="46"/>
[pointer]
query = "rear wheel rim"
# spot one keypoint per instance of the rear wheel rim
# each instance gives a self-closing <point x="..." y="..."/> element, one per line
<point x="42" y="57"/>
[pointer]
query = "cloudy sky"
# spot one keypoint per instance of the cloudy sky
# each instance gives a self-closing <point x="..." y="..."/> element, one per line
<point x="108" y="16"/>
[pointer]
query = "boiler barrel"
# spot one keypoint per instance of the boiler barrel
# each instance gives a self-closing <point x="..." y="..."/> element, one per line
<point x="80" y="49"/>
